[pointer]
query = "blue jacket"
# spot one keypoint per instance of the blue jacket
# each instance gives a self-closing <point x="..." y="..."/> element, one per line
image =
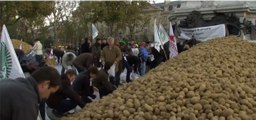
<point x="143" y="54"/>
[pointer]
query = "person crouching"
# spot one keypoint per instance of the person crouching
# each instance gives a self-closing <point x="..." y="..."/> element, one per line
<point x="65" y="99"/>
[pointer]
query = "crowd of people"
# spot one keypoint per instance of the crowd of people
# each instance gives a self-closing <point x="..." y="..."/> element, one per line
<point x="95" y="68"/>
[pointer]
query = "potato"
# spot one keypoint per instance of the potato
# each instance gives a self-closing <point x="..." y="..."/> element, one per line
<point x="197" y="106"/>
<point x="148" y="107"/>
<point x="129" y="104"/>
<point x="161" y="98"/>
<point x="190" y="94"/>
<point x="195" y="100"/>
<point x="227" y="112"/>
<point x="126" y="113"/>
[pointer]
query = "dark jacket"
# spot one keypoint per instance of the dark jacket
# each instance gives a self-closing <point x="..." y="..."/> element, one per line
<point x="19" y="99"/>
<point x="96" y="49"/>
<point x="83" y="86"/>
<point x="83" y="61"/>
<point x="158" y="57"/>
<point x="64" y="92"/>
<point x="133" y="61"/>
<point x="85" y="48"/>
<point x="101" y="82"/>
<point x="103" y="45"/>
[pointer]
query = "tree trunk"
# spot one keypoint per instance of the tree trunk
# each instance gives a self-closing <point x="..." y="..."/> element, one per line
<point x="111" y="29"/>
<point x="1" y="15"/>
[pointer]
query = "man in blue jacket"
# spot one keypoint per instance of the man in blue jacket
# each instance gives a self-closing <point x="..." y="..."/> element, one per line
<point x="143" y="54"/>
<point x="19" y="98"/>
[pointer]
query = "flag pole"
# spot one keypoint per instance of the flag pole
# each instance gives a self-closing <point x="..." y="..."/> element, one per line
<point x="92" y="33"/>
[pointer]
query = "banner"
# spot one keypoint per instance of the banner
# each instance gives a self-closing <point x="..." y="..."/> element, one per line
<point x="203" y="33"/>
<point x="163" y="34"/>
<point x="9" y="64"/>
<point x="172" y="45"/>
<point x="157" y="42"/>
<point x="94" y="32"/>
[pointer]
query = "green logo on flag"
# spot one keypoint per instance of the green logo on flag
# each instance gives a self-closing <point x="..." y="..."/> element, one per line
<point x="5" y="62"/>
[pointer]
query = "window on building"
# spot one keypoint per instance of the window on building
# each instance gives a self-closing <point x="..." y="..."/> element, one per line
<point x="170" y="8"/>
<point x="178" y="6"/>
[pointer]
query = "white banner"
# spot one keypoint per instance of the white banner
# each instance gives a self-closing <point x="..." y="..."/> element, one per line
<point x="203" y="33"/>
<point x="9" y="63"/>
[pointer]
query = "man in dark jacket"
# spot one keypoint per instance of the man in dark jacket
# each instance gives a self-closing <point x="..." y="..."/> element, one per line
<point x="83" y="61"/>
<point x="85" y="47"/>
<point x="101" y="81"/>
<point x="131" y="63"/>
<point x="83" y="85"/>
<point x="96" y="50"/>
<point x="103" y="43"/>
<point x="19" y="98"/>
<point x="59" y="102"/>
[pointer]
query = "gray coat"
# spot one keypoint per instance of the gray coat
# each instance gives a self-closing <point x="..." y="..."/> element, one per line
<point x="19" y="99"/>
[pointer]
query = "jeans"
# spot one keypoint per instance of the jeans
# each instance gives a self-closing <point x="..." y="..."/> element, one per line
<point x="65" y="106"/>
<point x="129" y="70"/>
<point x="142" y="68"/>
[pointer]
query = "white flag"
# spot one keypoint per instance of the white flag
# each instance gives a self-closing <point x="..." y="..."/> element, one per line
<point x="164" y="37"/>
<point x="157" y="42"/>
<point x="9" y="64"/>
<point x="94" y="32"/>
<point x="172" y="45"/>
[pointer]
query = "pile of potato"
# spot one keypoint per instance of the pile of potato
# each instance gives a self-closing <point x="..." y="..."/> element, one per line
<point x="215" y="80"/>
<point x="25" y="46"/>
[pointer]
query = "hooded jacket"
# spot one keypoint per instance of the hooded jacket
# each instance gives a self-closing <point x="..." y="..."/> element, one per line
<point x="67" y="59"/>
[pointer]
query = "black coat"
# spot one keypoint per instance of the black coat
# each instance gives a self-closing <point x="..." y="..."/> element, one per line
<point x="133" y="61"/>
<point x="19" y="99"/>
<point x="103" y="45"/>
<point x="85" y="47"/>
<point x="101" y="82"/>
<point x="83" y="86"/>
<point x="64" y="92"/>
